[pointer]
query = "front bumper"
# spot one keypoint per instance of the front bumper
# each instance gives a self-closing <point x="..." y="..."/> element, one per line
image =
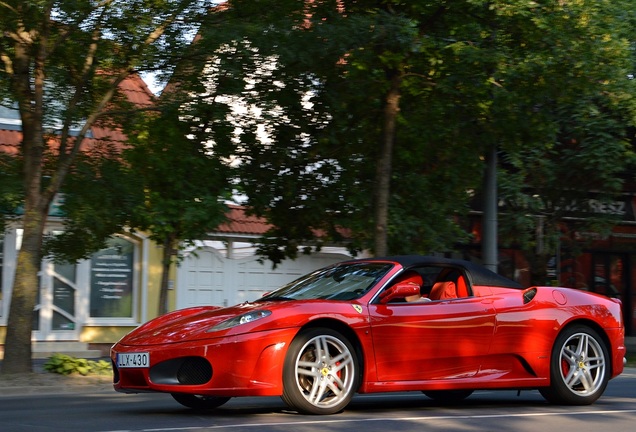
<point x="243" y="365"/>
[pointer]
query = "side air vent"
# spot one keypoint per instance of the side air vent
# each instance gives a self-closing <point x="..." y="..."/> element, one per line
<point x="528" y="295"/>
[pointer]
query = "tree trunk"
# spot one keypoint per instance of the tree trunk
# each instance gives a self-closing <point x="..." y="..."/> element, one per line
<point x="168" y="252"/>
<point x="489" y="242"/>
<point x="28" y="82"/>
<point x="383" y="169"/>
<point x="17" y="348"/>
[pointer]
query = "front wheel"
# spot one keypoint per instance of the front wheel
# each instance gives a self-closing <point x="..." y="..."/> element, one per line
<point x="320" y="372"/>
<point x="199" y="401"/>
<point x="578" y="367"/>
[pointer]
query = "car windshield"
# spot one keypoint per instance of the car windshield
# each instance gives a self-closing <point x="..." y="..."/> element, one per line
<point x="341" y="282"/>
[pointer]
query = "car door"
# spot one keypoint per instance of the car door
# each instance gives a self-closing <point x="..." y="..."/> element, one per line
<point x="431" y="340"/>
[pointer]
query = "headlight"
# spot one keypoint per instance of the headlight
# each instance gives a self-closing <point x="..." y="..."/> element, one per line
<point x="241" y="319"/>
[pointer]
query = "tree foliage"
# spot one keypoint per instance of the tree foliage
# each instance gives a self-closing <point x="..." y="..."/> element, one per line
<point x="321" y="104"/>
<point x="574" y="76"/>
<point x="92" y="214"/>
<point x="545" y="82"/>
<point x="186" y="187"/>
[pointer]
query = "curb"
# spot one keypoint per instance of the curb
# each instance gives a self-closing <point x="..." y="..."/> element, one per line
<point x="53" y="390"/>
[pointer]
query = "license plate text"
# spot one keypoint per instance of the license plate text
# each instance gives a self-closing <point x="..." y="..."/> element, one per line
<point x="133" y="360"/>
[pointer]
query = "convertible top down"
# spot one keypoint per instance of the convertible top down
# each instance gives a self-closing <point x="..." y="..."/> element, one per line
<point x="441" y="326"/>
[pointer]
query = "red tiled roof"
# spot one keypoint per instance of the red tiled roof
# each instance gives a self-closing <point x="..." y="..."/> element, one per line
<point x="137" y="92"/>
<point x="240" y="223"/>
<point x="9" y="141"/>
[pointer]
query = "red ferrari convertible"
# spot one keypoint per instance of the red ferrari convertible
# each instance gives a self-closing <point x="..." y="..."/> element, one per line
<point x="410" y="323"/>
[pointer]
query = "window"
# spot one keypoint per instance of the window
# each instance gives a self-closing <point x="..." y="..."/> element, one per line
<point x="111" y="280"/>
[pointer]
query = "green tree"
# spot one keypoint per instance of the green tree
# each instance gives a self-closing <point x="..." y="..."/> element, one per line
<point x="355" y="105"/>
<point x="62" y="64"/>
<point x="185" y="185"/>
<point x="578" y="95"/>
<point x="92" y="214"/>
<point x="261" y="104"/>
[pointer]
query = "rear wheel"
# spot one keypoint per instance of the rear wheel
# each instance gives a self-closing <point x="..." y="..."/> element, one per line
<point x="199" y="401"/>
<point x="320" y="372"/>
<point x="448" y="396"/>
<point x="578" y="367"/>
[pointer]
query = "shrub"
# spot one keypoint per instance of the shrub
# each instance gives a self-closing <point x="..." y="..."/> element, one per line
<point x="65" y="365"/>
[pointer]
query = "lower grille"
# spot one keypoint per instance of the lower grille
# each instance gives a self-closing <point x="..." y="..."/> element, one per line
<point x="182" y="371"/>
<point x="195" y="370"/>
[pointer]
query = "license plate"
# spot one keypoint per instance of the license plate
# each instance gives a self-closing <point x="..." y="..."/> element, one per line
<point x="133" y="360"/>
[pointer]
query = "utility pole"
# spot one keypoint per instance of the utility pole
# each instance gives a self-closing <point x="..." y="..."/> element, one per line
<point x="489" y="222"/>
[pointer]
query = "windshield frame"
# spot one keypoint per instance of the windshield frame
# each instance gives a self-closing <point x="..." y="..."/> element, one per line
<point x="340" y="282"/>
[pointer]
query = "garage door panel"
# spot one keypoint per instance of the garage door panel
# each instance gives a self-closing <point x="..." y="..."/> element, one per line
<point x="211" y="279"/>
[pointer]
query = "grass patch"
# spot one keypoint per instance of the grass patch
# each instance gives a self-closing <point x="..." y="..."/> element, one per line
<point x="631" y="360"/>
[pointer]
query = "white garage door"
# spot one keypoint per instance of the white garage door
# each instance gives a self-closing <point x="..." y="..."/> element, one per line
<point x="208" y="278"/>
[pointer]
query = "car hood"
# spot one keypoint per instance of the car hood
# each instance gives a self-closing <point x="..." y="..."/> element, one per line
<point x="186" y="325"/>
<point x="196" y="323"/>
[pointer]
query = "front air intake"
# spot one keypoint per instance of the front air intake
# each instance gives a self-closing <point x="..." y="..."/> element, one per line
<point x="182" y="371"/>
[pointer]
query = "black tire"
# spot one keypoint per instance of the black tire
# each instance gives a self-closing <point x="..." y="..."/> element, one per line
<point x="579" y="367"/>
<point x="199" y="401"/>
<point x="320" y="372"/>
<point x="448" y="396"/>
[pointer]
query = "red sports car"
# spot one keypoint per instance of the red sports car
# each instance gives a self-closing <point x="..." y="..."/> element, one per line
<point x="440" y="326"/>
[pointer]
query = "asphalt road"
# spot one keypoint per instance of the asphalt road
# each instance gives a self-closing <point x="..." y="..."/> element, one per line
<point x="99" y="409"/>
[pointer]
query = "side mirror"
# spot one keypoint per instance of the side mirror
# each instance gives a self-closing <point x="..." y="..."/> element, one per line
<point x="400" y="291"/>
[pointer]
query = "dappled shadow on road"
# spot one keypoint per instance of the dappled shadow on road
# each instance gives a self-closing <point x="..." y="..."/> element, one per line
<point x="416" y="400"/>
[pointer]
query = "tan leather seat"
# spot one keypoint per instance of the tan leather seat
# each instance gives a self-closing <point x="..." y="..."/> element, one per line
<point x="443" y="291"/>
